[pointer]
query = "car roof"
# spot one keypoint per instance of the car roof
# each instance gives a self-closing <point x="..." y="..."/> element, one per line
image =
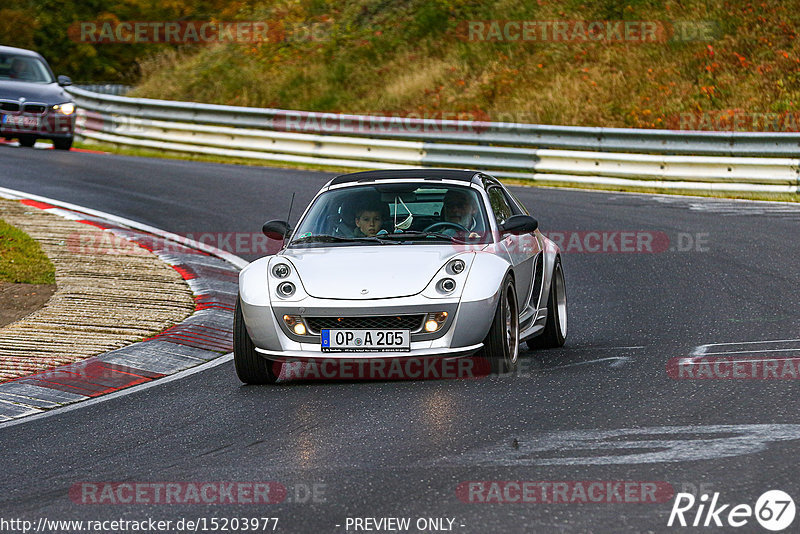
<point x="425" y="174"/>
<point x="18" y="51"/>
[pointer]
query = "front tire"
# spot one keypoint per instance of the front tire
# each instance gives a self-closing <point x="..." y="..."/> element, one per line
<point x="555" y="329"/>
<point x="251" y="368"/>
<point x="26" y="140"/>
<point x="501" y="346"/>
<point x="64" y="143"/>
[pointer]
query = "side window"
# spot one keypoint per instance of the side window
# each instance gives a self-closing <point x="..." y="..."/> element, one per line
<point x="514" y="199"/>
<point x="500" y="206"/>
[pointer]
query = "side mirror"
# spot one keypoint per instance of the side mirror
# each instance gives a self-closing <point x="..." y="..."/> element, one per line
<point x="64" y="81"/>
<point x="519" y="224"/>
<point x="276" y="229"/>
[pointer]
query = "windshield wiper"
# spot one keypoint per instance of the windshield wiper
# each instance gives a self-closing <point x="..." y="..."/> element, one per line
<point x="416" y="233"/>
<point x="325" y="238"/>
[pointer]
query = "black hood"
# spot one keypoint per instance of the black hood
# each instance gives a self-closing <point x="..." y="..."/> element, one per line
<point x="47" y="93"/>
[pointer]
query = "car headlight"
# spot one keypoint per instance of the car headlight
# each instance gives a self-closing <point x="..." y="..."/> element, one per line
<point x="451" y="278"/>
<point x="295" y="324"/>
<point x="286" y="289"/>
<point x="281" y="270"/>
<point x="456" y="266"/>
<point x="434" y="321"/>
<point x="67" y="108"/>
<point x="447" y="285"/>
<point x="283" y="281"/>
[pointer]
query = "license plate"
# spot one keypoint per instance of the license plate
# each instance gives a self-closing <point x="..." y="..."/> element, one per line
<point x="21" y="122"/>
<point x="340" y="340"/>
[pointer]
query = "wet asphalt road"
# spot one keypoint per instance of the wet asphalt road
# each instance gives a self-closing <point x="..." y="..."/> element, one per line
<point x="603" y="408"/>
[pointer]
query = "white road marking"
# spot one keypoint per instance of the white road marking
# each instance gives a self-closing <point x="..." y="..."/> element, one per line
<point x="751" y="342"/>
<point x="609" y="348"/>
<point x="655" y="196"/>
<point x="752" y="351"/>
<point x="702" y="351"/>
<point x="618" y="360"/>
<point x="689" y="361"/>
<point x="732" y="207"/>
<point x="659" y="444"/>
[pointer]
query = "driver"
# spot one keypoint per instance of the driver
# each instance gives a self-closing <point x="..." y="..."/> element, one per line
<point x="369" y="220"/>
<point x="19" y="69"/>
<point x="459" y="207"/>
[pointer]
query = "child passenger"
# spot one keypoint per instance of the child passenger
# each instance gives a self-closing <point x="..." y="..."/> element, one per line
<point x="369" y="220"/>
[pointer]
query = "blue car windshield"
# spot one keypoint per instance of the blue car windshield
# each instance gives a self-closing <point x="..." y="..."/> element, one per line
<point x="394" y="213"/>
<point x="24" y="69"/>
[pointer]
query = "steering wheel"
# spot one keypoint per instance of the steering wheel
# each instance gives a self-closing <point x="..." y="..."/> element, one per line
<point x="445" y="225"/>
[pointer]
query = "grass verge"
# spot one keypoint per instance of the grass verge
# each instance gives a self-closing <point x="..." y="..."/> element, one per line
<point x="22" y="259"/>
<point x="714" y="65"/>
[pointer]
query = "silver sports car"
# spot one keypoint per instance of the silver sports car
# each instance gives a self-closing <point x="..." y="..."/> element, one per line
<point x="401" y="264"/>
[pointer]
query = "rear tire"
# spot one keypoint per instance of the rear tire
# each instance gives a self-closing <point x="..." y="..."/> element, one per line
<point x="26" y="140"/>
<point x="501" y="346"/>
<point x="555" y="329"/>
<point x="251" y="368"/>
<point x="63" y="143"/>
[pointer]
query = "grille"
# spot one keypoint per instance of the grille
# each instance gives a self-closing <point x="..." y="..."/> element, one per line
<point x="380" y="322"/>
<point x="9" y="106"/>
<point x="34" y="108"/>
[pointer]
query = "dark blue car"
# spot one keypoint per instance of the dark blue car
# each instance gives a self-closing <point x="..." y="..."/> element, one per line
<point x="33" y="103"/>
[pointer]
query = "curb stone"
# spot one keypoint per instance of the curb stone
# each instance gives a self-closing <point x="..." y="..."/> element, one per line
<point x="203" y="336"/>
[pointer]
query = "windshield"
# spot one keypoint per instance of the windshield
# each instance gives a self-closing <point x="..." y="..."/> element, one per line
<point x="392" y="214"/>
<point x="24" y="69"/>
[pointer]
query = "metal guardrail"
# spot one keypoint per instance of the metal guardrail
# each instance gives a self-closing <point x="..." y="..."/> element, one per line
<point x="105" y="88"/>
<point x="743" y="161"/>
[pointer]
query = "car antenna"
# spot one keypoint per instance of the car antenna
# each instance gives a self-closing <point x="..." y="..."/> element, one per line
<point x="291" y="203"/>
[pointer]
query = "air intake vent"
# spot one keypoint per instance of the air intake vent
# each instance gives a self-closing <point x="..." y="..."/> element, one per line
<point x="37" y="109"/>
<point x="380" y="322"/>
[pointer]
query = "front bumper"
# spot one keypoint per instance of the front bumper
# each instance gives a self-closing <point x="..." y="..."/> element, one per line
<point x="462" y="335"/>
<point x="50" y="125"/>
<point x="310" y="351"/>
